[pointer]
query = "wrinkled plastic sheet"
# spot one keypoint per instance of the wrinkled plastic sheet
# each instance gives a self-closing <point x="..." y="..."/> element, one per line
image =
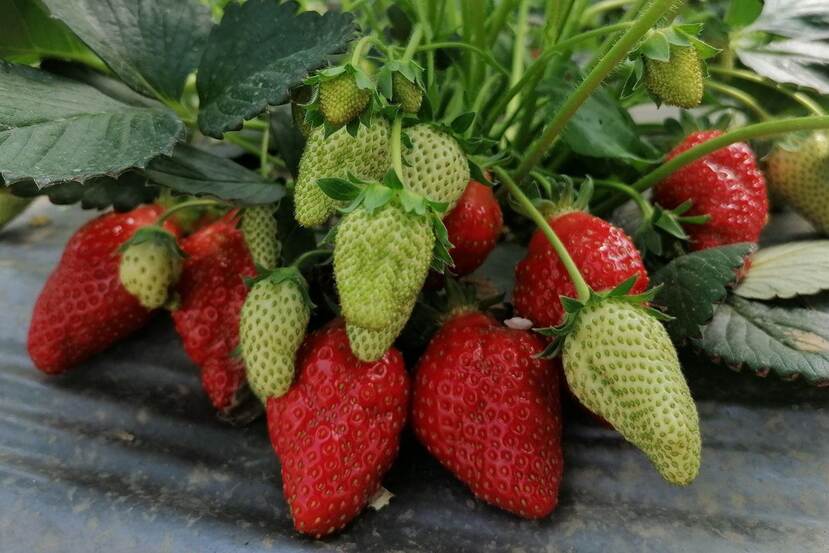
<point x="125" y="455"/>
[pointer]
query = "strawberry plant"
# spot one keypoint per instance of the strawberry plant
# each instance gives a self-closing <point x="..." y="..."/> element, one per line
<point x="300" y="184"/>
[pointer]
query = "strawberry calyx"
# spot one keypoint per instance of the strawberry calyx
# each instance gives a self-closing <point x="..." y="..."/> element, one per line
<point x="285" y="274"/>
<point x="154" y="234"/>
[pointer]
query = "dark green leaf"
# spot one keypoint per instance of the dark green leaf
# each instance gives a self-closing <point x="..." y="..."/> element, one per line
<point x="462" y="122"/>
<point x="53" y="129"/>
<point x="126" y="192"/>
<point x="153" y="45"/>
<point x="259" y="51"/>
<point x="692" y="285"/>
<point x="28" y="34"/>
<point x="198" y="173"/>
<point x="789" y="342"/>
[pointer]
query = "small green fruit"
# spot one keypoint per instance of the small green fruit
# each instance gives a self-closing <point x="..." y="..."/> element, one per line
<point x="435" y="166"/>
<point x="406" y="93"/>
<point x="678" y="81"/>
<point x="341" y="100"/>
<point x="260" y="231"/>
<point x="150" y="266"/>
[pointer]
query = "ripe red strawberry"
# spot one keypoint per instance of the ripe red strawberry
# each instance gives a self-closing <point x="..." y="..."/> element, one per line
<point x="83" y="307"/>
<point x="604" y="254"/>
<point x="490" y="412"/>
<point x="473" y="225"/>
<point x="337" y="430"/>
<point x="726" y="185"/>
<point x="212" y="290"/>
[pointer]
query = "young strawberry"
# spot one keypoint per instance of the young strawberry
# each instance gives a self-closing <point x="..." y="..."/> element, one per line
<point x="341" y="100"/>
<point x="406" y="93"/>
<point x="725" y="185"/>
<point x="83" y="308"/>
<point x="489" y="410"/>
<point x="621" y="364"/>
<point x="370" y="345"/>
<point x="604" y="255"/>
<point x="260" y="231"/>
<point x="150" y="265"/>
<point x="473" y="226"/>
<point x="10" y="206"/>
<point x="272" y="326"/>
<point x="798" y="173"/>
<point x="435" y="166"/>
<point x="337" y="431"/>
<point x="211" y="293"/>
<point x="678" y="81"/>
<point x="380" y="262"/>
<point x="365" y="156"/>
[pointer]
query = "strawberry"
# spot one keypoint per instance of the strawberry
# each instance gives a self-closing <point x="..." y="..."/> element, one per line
<point x="365" y="156"/>
<point x="260" y="231"/>
<point x="604" y="255"/>
<point x="11" y="206"/>
<point x="150" y="265"/>
<point x="406" y="93"/>
<point x="798" y="173"/>
<point x="489" y="410"/>
<point x="337" y="431"/>
<point x="83" y="308"/>
<point x="621" y="364"/>
<point x="341" y="100"/>
<point x="381" y="259"/>
<point x="211" y="293"/>
<point x="678" y="81"/>
<point x="435" y="165"/>
<point x="473" y="226"/>
<point x="271" y="328"/>
<point x="726" y="185"/>
<point x="371" y="345"/>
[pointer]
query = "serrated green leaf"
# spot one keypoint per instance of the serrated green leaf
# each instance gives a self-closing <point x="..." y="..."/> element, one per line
<point x="28" y="34"/>
<point x="273" y="50"/>
<point x="692" y="285"/>
<point x="741" y="13"/>
<point x="53" y="129"/>
<point x="152" y="45"/>
<point x="125" y="193"/>
<point x="198" y="173"/>
<point x="786" y="271"/>
<point x="788" y="342"/>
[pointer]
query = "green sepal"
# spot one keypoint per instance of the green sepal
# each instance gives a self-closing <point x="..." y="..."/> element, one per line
<point x="441" y="260"/>
<point x="284" y="274"/>
<point x="410" y="70"/>
<point x="157" y="234"/>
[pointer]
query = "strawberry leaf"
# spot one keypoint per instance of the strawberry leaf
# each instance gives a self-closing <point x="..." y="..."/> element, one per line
<point x="274" y="49"/>
<point x="791" y="343"/>
<point x="692" y="285"/>
<point x="786" y="271"/>
<point x="342" y="190"/>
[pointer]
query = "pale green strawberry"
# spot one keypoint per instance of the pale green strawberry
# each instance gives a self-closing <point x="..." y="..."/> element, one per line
<point x="150" y="266"/>
<point x="370" y="345"/>
<point x="435" y="166"/>
<point x="620" y="363"/>
<point x="678" y="81"/>
<point x="365" y="156"/>
<point x="271" y="328"/>
<point x="798" y="174"/>
<point x="341" y="100"/>
<point x="260" y="231"/>
<point x="380" y="263"/>
<point x="406" y="93"/>
<point x="11" y="206"/>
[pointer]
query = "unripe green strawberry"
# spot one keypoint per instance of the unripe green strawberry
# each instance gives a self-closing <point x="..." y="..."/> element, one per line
<point x="370" y="345"/>
<point x="799" y="175"/>
<point x="150" y="266"/>
<point x="678" y="81"/>
<point x="620" y="363"/>
<point x="298" y="115"/>
<point x="365" y="156"/>
<point x="341" y="100"/>
<point x="435" y="166"/>
<point x="260" y="231"/>
<point x="406" y="93"/>
<point x="10" y="206"/>
<point x="381" y="260"/>
<point x="271" y="329"/>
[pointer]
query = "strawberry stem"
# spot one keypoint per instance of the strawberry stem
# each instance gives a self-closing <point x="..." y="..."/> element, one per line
<point x="185" y="205"/>
<point x="601" y="70"/>
<point x="582" y="289"/>
<point x="803" y="99"/>
<point x="414" y="40"/>
<point x="358" y="50"/>
<point x="299" y="261"/>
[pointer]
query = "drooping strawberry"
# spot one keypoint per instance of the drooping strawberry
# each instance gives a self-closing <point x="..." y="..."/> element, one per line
<point x="406" y="93"/>
<point x="604" y="255"/>
<point x="337" y="430"/>
<point x="726" y="185"/>
<point x="473" y="226"/>
<point x="150" y="266"/>
<point x="489" y="410"/>
<point x="678" y="81"/>
<point x="341" y="99"/>
<point x="83" y="307"/>
<point x="435" y="166"/>
<point x="211" y="293"/>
